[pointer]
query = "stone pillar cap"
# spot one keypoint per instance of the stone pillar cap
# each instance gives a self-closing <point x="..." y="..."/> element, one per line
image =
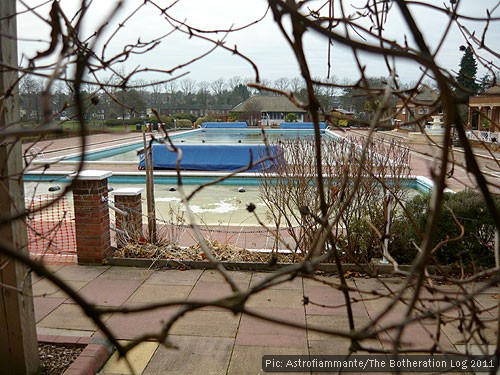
<point x="128" y="191"/>
<point x="91" y="174"/>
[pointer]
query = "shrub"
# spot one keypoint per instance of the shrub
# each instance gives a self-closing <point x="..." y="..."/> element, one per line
<point x="475" y="247"/>
<point x="129" y="121"/>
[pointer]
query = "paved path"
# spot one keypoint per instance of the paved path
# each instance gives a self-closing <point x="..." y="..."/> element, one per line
<point x="213" y="341"/>
<point x="425" y="160"/>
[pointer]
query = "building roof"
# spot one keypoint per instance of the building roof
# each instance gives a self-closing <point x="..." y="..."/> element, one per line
<point x="494" y="90"/>
<point x="426" y="94"/>
<point x="263" y="103"/>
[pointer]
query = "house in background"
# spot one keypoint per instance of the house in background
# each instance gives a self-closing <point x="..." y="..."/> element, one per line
<point x="416" y="109"/>
<point x="268" y="110"/>
<point x="487" y="107"/>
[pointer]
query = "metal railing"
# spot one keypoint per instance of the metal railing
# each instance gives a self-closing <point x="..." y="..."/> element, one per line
<point x="485" y="136"/>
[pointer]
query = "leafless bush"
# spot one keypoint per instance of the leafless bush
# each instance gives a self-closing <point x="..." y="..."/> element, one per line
<point x="290" y="191"/>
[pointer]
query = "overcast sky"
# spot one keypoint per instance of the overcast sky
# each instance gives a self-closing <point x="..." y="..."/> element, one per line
<point x="262" y="42"/>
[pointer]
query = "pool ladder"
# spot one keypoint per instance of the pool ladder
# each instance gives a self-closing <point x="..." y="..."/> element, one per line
<point x="36" y="153"/>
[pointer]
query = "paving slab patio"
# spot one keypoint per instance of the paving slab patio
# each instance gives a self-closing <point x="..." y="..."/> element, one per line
<point x="217" y="341"/>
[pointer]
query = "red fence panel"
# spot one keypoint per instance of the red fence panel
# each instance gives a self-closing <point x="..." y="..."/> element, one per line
<point x="51" y="229"/>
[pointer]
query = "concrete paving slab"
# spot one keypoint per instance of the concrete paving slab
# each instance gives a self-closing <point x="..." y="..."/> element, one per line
<point x="416" y="336"/>
<point x="331" y="301"/>
<point x="321" y="280"/>
<point x="109" y="292"/>
<point x="207" y="323"/>
<point x="157" y="293"/>
<point x="46" y="288"/>
<point x="457" y="337"/>
<point x="138" y="359"/>
<point x="44" y="306"/>
<point x="241" y="278"/>
<point x="488" y="301"/>
<point x="384" y="285"/>
<point x="196" y="355"/>
<point x="207" y="292"/>
<point x="257" y="332"/>
<point x="127" y="273"/>
<point x="340" y="346"/>
<point x="35" y="278"/>
<point x="53" y="268"/>
<point x="68" y="316"/>
<point x="334" y="322"/>
<point x="292" y="298"/>
<point x="80" y="273"/>
<point x="477" y="349"/>
<point x="174" y="277"/>
<point x="247" y="360"/>
<point x="133" y="325"/>
<point x="295" y="284"/>
<point x="377" y="306"/>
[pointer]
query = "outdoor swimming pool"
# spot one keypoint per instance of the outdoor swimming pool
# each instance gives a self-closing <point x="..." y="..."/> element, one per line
<point x="128" y="152"/>
<point x="217" y="204"/>
<point x="214" y="205"/>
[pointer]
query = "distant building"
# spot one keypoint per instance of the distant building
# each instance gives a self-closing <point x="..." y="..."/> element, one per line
<point x="196" y="110"/>
<point x="268" y="110"/>
<point x="487" y="106"/>
<point x="417" y="108"/>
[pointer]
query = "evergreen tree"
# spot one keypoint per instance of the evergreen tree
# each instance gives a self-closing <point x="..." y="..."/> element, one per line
<point x="467" y="74"/>
<point x="485" y="83"/>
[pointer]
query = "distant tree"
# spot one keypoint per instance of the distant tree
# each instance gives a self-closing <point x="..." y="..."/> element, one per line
<point x="486" y="82"/>
<point x="129" y="103"/>
<point x="239" y="94"/>
<point x="282" y="84"/>
<point x="171" y="89"/>
<point x="296" y="84"/>
<point x="291" y="117"/>
<point x="188" y="86"/>
<point x="234" y="82"/>
<point x="218" y="88"/>
<point x="155" y="97"/>
<point x="30" y="90"/>
<point x="203" y="94"/>
<point x="466" y="77"/>
<point x="60" y="99"/>
<point x="355" y="97"/>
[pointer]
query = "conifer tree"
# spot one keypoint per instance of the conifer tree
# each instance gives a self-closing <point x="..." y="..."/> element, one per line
<point x="467" y="74"/>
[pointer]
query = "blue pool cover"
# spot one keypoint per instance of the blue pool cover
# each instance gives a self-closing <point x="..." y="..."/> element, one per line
<point x="214" y="157"/>
<point x="301" y="125"/>
<point x="224" y="125"/>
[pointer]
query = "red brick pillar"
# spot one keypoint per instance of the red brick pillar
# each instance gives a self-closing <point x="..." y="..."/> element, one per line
<point x="90" y="193"/>
<point x="128" y="200"/>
